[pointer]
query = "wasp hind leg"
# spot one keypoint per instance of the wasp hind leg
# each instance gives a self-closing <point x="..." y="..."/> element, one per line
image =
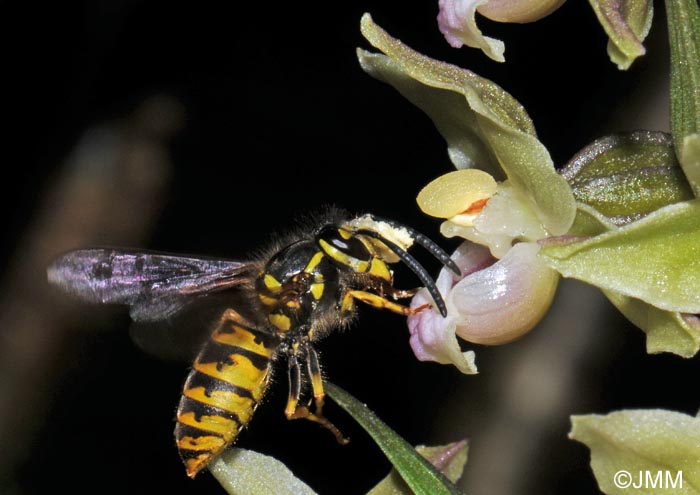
<point x="294" y="410"/>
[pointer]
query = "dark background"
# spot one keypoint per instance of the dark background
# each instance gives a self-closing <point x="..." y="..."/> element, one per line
<point x="279" y="119"/>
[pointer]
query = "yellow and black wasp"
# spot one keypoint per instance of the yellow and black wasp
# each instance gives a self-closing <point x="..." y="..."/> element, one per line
<point x="285" y="300"/>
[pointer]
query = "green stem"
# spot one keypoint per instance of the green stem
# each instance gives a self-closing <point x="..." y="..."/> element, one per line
<point x="684" y="31"/>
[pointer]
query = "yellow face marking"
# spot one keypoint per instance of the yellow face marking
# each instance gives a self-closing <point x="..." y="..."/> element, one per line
<point x="225" y="400"/>
<point x="227" y="428"/>
<point x="317" y="290"/>
<point x="280" y="321"/>
<point x="242" y="338"/>
<point x="242" y="373"/>
<point x="345" y="234"/>
<point x="379" y="269"/>
<point x="293" y="303"/>
<point x="206" y="443"/>
<point x="313" y="262"/>
<point x="272" y="283"/>
<point x="357" y="265"/>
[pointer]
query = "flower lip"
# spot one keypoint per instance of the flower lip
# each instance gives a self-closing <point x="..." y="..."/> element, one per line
<point x="494" y="302"/>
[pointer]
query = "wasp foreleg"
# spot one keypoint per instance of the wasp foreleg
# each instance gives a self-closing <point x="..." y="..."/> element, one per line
<point x="380" y="302"/>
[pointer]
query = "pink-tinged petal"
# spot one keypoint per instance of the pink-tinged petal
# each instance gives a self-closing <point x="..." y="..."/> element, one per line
<point x="504" y="301"/>
<point x="456" y="22"/>
<point x="433" y="338"/>
<point x="518" y="10"/>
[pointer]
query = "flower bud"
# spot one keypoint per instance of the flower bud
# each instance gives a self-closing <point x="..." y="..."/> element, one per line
<point x="520" y="11"/>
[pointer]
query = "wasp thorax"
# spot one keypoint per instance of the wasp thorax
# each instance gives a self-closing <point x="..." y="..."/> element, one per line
<point x="295" y="283"/>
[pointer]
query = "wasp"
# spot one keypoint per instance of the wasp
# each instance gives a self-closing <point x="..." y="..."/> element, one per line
<point x="287" y="298"/>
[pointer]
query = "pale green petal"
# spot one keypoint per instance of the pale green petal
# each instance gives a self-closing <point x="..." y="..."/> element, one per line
<point x="244" y="472"/>
<point x="627" y="23"/>
<point x="484" y="126"/>
<point x="666" y="331"/>
<point x="589" y="222"/>
<point x="634" y="441"/>
<point x="655" y="259"/>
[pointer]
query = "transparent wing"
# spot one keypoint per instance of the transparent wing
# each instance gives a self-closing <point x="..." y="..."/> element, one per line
<point x="180" y="337"/>
<point x="154" y="285"/>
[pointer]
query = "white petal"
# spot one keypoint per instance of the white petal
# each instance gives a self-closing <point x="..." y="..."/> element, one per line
<point x="504" y="301"/>
<point x="518" y="10"/>
<point x="456" y="22"/>
<point x="433" y="338"/>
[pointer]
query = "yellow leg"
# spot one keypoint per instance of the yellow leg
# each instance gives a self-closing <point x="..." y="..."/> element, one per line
<point x="294" y="410"/>
<point x="382" y="303"/>
<point x="385" y="288"/>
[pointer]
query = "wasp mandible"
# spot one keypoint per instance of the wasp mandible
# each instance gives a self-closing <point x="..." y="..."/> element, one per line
<point x="288" y="298"/>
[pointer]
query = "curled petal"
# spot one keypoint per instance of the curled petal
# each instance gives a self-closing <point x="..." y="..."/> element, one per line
<point x="456" y="22"/>
<point x="504" y="301"/>
<point x="518" y="10"/>
<point x="433" y="338"/>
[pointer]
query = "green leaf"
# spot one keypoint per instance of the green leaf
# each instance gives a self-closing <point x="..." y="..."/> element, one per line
<point x="627" y="23"/>
<point x="627" y="176"/>
<point x="484" y="126"/>
<point x="640" y="441"/>
<point x="666" y="331"/>
<point x="244" y="472"/>
<point x="655" y="259"/>
<point x="684" y="31"/>
<point x="450" y="459"/>
<point x="416" y="471"/>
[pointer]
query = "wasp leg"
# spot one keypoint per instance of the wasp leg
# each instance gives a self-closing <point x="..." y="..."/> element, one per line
<point x="379" y="302"/>
<point x="383" y="287"/>
<point x="294" y="410"/>
<point x="399" y="293"/>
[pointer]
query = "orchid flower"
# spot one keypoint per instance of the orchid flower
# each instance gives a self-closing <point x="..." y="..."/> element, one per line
<point x="601" y="220"/>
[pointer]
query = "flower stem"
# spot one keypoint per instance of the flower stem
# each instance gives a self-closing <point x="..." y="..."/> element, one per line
<point x="684" y="32"/>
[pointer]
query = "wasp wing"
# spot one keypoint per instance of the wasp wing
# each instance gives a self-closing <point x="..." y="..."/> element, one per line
<point x="154" y="285"/>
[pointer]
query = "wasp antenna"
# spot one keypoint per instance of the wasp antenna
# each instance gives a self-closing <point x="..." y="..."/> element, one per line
<point x="415" y="267"/>
<point x="431" y="246"/>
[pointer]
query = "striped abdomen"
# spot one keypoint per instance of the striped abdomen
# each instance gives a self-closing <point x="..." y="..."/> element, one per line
<point x="223" y="389"/>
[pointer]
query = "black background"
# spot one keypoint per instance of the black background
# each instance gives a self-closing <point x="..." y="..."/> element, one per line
<point x="280" y="119"/>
